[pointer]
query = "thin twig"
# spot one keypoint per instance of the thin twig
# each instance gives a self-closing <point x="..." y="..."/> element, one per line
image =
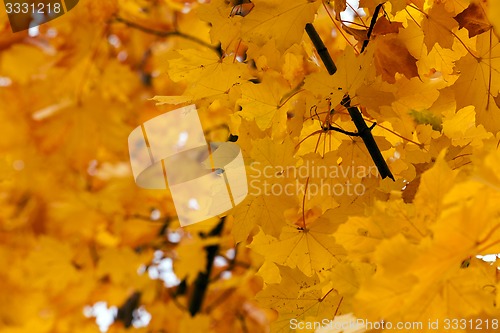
<point x="339" y="29"/>
<point x="372" y="25"/>
<point x="161" y="33"/>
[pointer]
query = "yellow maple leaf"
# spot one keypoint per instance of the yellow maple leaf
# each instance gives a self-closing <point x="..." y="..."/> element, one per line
<point x="453" y="6"/>
<point x="352" y="71"/>
<point x="208" y="75"/>
<point x="224" y="27"/>
<point x="271" y="192"/>
<point x="493" y="12"/>
<point x="391" y="57"/>
<point x="311" y="250"/>
<point x="462" y="130"/>
<point x="119" y="264"/>
<point x="361" y="235"/>
<point x="474" y="20"/>
<point x="434" y="185"/>
<point x="322" y="180"/>
<point x="23" y="62"/>
<point x="263" y="102"/>
<point x="403" y="289"/>
<point x="283" y="21"/>
<point x="479" y="81"/>
<point x="347" y="277"/>
<point x="292" y="303"/>
<point x="199" y="323"/>
<point x="437" y="26"/>
<point x="191" y="259"/>
<point x="51" y="255"/>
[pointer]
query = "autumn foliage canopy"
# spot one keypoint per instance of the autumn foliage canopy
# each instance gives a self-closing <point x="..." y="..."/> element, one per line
<point x="322" y="233"/>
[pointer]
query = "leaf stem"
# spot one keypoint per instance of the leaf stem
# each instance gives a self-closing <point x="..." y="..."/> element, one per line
<point x="339" y="29"/>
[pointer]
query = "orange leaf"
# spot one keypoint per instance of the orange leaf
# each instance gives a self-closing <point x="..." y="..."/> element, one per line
<point x="391" y="57"/>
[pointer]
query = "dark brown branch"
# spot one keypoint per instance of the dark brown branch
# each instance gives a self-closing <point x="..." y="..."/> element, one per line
<point x="164" y="34"/>
<point x="363" y="130"/>
<point x="367" y="137"/>
<point x="321" y="48"/>
<point x="372" y="25"/>
<point x="201" y="283"/>
<point x="125" y="312"/>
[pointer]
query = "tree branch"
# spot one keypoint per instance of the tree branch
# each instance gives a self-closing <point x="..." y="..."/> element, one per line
<point x="372" y="25"/>
<point x="367" y="137"/>
<point x="321" y="48"/>
<point x="201" y="283"/>
<point x="363" y="130"/>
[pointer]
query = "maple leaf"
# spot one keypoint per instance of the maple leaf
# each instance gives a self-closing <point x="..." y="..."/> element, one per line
<point x="454" y="238"/>
<point x="311" y="250"/>
<point x="191" y="324"/>
<point x="322" y="188"/>
<point x="346" y="279"/>
<point x="287" y="298"/>
<point x="437" y="27"/>
<point x="434" y="184"/>
<point x="351" y="73"/>
<point x="391" y="57"/>
<point x="76" y="232"/>
<point x="361" y="235"/>
<point x="191" y="259"/>
<point x="263" y="102"/>
<point x="462" y="129"/>
<point x="359" y="34"/>
<point x="455" y="6"/>
<point x="208" y="74"/>
<point x="474" y="20"/>
<point x="282" y="21"/>
<point x="493" y="11"/>
<point x="339" y="6"/>
<point x="428" y="289"/>
<point x="263" y="205"/>
<point x="120" y="265"/>
<point x="369" y="4"/>
<point x="479" y="80"/>
<point x="383" y="27"/>
<point x="223" y="30"/>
